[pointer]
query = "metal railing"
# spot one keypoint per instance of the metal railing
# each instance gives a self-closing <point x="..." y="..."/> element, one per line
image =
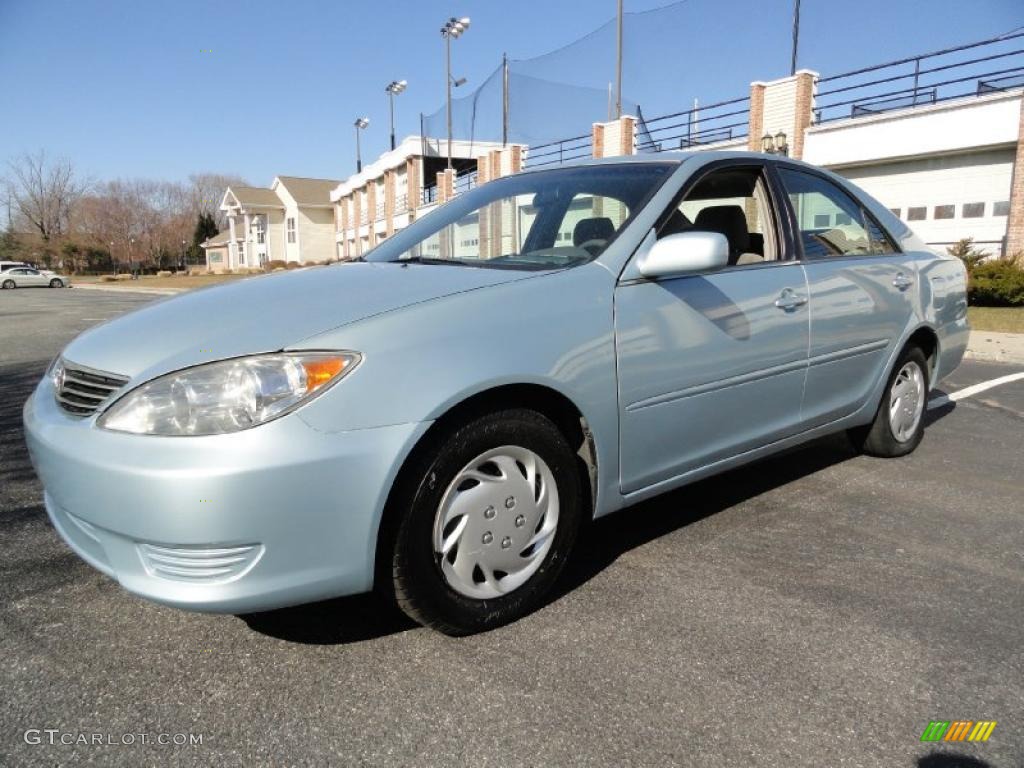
<point x="975" y="69"/>
<point x="465" y="181"/>
<point x="722" y="121"/>
<point x="558" y="152"/>
<point x="379" y="213"/>
<point x="402" y="203"/>
<point x="428" y="195"/>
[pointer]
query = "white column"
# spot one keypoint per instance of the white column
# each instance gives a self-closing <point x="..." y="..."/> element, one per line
<point x="231" y="246"/>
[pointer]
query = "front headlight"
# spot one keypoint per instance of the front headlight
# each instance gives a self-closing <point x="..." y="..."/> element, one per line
<point x="227" y="396"/>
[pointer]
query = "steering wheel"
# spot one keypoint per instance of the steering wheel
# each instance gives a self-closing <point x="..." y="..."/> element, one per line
<point x="594" y="246"/>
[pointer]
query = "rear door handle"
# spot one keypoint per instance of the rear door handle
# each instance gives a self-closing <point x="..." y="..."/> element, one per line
<point x="902" y="282"/>
<point x="789" y="300"/>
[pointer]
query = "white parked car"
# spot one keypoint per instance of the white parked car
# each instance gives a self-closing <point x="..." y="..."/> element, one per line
<point x="27" y="277"/>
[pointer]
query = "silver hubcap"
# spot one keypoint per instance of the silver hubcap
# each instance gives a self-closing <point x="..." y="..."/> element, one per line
<point x="496" y="522"/>
<point x="906" y="402"/>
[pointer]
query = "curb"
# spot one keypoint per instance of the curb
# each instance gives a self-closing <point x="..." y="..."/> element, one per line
<point x="113" y="289"/>
<point x="995" y="347"/>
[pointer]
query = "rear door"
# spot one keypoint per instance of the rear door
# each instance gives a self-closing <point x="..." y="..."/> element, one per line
<point x="712" y="365"/>
<point x="860" y="293"/>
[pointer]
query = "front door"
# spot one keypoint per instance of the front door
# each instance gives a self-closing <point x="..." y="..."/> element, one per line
<point x="860" y="294"/>
<point x="712" y="365"/>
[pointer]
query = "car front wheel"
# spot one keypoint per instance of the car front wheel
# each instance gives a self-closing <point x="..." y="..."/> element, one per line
<point x="55" y="283"/>
<point x="899" y="423"/>
<point x="490" y="516"/>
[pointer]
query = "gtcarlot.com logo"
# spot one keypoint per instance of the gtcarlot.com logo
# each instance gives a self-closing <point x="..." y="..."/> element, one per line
<point x="57" y="737"/>
<point x="958" y="730"/>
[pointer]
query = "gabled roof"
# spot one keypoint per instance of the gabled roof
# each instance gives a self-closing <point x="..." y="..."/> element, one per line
<point x="258" y="196"/>
<point x="308" y="191"/>
<point x="221" y="238"/>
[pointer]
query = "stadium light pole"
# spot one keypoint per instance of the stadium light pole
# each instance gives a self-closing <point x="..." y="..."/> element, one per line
<point x="618" y="65"/>
<point x="360" y="125"/>
<point x="796" y="35"/>
<point x="394" y="88"/>
<point x="452" y="28"/>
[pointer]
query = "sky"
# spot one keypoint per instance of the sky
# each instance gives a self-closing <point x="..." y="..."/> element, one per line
<point x="162" y="89"/>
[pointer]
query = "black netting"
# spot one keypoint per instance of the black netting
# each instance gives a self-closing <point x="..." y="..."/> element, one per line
<point x="671" y="56"/>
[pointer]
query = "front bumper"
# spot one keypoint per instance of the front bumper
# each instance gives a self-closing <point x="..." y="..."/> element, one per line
<point x="272" y="516"/>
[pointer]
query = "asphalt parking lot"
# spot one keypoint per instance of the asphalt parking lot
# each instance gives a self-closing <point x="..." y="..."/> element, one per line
<point x="816" y="609"/>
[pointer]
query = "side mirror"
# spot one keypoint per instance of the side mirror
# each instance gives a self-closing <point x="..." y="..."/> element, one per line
<point x="684" y="253"/>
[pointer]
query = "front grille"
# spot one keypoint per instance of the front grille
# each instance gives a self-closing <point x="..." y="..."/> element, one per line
<point x="199" y="564"/>
<point x="81" y="390"/>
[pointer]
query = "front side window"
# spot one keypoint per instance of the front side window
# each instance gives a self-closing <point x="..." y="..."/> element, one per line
<point x="541" y="220"/>
<point x="829" y="220"/>
<point x="733" y="202"/>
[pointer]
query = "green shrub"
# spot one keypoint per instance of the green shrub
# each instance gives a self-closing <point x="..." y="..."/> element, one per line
<point x="998" y="283"/>
<point x="965" y="251"/>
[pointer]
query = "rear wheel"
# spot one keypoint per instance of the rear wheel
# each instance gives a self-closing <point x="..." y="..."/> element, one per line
<point x="9" y="285"/>
<point x="56" y="283"/>
<point x="899" y="423"/>
<point x="490" y="517"/>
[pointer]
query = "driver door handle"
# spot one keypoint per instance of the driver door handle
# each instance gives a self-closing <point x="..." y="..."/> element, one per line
<point x="789" y="300"/>
<point x="901" y="281"/>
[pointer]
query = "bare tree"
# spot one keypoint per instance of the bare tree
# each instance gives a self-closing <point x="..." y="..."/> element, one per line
<point x="43" y="193"/>
<point x="206" y="193"/>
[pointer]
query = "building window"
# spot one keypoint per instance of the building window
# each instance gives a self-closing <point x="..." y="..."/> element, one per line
<point x="917" y="213"/>
<point x="973" y="210"/>
<point x="241" y="253"/>
<point x="895" y="212"/>
<point x="291" y="229"/>
<point x="944" y="212"/>
<point x="822" y="220"/>
<point x="261" y="235"/>
<point x="842" y="219"/>
<point x="1001" y="208"/>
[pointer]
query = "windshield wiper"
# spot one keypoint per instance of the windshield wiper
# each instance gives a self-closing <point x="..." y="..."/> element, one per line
<point x="430" y="260"/>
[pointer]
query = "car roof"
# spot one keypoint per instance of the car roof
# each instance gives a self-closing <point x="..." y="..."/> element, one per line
<point x="675" y="157"/>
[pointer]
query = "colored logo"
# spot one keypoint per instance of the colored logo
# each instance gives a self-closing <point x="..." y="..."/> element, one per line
<point x="958" y="730"/>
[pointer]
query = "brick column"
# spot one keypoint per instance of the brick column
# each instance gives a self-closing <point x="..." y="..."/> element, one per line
<point x="510" y="160"/>
<point x="346" y="223"/>
<point x="357" y="215"/>
<point x="483" y="175"/>
<point x="371" y="210"/>
<point x="804" y="112"/>
<point x="389" y="201"/>
<point x="785" y="105"/>
<point x="1015" y="221"/>
<point x="445" y="185"/>
<point x="627" y="136"/>
<point x="615" y="138"/>
<point x="597" y="140"/>
<point x="755" y="129"/>
<point x="413" y="186"/>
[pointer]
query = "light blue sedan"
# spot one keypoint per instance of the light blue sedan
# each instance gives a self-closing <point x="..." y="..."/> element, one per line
<point x="438" y="420"/>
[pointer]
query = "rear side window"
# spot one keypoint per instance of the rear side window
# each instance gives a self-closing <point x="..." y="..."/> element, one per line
<point x="829" y="220"/>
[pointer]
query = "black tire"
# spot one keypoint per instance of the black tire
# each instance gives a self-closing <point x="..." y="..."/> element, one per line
<point x="9" y="285"/>
<point x="419" y="586"/>
<point x="877" y="439"/>
<point x="56" y="283"/>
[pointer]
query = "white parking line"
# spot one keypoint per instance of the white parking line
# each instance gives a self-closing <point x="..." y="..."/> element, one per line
<point x="960" y="394"/>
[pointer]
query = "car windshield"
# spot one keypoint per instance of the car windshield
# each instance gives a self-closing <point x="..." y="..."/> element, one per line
<point x="538" y="220"/>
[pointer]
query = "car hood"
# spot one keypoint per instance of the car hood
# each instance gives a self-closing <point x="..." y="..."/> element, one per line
<point x="266" y="314"/>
